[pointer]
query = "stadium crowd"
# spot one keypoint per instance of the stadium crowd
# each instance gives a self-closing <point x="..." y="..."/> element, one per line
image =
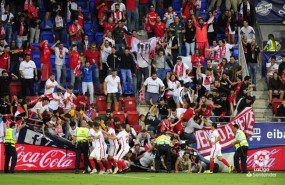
<point x="77" y="50"/>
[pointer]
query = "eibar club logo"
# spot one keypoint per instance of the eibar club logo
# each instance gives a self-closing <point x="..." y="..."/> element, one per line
<point x="263" y="8"/>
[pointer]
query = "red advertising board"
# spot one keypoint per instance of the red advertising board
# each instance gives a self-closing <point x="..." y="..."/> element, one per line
<point x="31" y="157"/>
<point x="266" y="159"/>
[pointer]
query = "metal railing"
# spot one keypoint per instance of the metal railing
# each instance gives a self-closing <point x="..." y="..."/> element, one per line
<point x="242" y="60"/>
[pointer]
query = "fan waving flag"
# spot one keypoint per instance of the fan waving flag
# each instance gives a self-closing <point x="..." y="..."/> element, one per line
<point x="19" y="111"/>
<point x="77" y="70"/>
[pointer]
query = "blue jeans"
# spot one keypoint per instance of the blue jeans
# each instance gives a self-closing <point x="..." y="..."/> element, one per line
<point x="252" y="70"/>
<point x="61" y="73"/>
<point x="126" y="73"/>
<point x="188" y="136"/>
<point x="161" y="74"/>
<point x="8" y="31"/>
<point x="96" y="79"/>
<point x="142" y="72"/>
<point x="132" y="18"/>
<point x="21" y="39"/>
<point x="190" y="48"/>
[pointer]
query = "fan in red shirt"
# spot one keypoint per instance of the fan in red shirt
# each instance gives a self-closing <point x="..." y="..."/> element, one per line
<point x="159" y="28"/>
<point x="5" y="59"/>
<point x="82" y="102"/>
<point x="197" y="59"/>
<point x="45" y="54"/>
<point x="102" y="11"/>
<point x="27" y="49"/>
<point x="75" y="32"/>
<point x="166" y="125"/>
<point x="190" y="112"/>
<point x="93" y="56"/>
<point x="201" y="33"/>
<point x="108" y="26"/>
<point x="206" y="111"/>
<point x="150" y="21"/>
<point x="188" y="5"/>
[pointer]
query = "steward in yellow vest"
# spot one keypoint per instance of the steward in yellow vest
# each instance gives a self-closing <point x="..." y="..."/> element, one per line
<point x="163" y="150"/>
<point x="241" y="146"/>
<point x="10" y="150"/>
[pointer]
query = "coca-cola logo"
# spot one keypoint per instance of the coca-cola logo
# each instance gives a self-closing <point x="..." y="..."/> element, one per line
<point x="262" y="159"/>
<point x="49" y="159"/>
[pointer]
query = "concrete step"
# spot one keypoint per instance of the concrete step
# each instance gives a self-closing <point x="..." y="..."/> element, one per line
<point x="143" y="109"/>
<point x="260" y="103"/>
<point x="262" y="113"/>
<point x="260" y="94"/>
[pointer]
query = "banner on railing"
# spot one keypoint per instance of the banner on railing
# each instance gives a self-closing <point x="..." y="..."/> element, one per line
<point x="40" y="158"/>
<point x="245" y="120"/>
<point x="270" y="11"/>
<point x="266" y="57"/>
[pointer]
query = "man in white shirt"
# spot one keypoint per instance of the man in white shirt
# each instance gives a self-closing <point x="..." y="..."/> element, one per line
<point x="7" y="18"/>
<point x="29" y="73"/>
<point x="247" y="31"/>
<point x="180" y="69"/>
<point x="56" y="101"/>
<point x="271" y="67"/>
<point x="214" y="140"/>
<point x="122" y="6"/>
<point x="51" y="84"/>
<point x="106" y="50"/>
<point x="60" y="55"/>
<point x="111" y="86"/>
<point x="68" y="98"/>
<point x="154" y="87"/>
<point x="40" y="108"/>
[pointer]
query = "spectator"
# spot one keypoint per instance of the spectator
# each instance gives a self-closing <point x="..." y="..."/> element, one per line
<point x="27" y="49"/>
<point x="132" y="15"/>
<point x="169" y="16"/>
<point x="272" y="45"/>
<point x="142" y="69"/>
<point x="245" y="88"/>
<point x="60" y="66"/>
<point x="40" y="107"/>
<point x="87" y="79"/>
<point x="178" y="29"/>
<point x="19" y="101"/>
<point x="102" y="11"/>
<point x="7" y="18"/>
<point x="143" y="9"/>
<point x="183" y="164"/>
<point x="230" y="26"/>
<point x="172" y="46"/>
<point x="14" y="58"/>
<point x="212" y="32"/>
<point x="106" y="50"/>
<point x="48" y="5"/>
<point x="247" y="31"/>
<point x="189" y="37"/>
<point x="161" y="64"/>
<point x="151" y="120"/>
<point x="69" y="98"/>
<point x="232" y="63"/>
<point x="271" y="67"/>
<point x="122" y="6"/>
<point x="29" y="73"/>
<point x="275" y="88"/>
<point x="108" y="26"/>
<point x="5" y="59"/>
<point x="194" y="123"/>
<point x="22" y="30"/>
<point x="117" y="14"/>
<point x="244" y="102"/>
<point x="4" y="105"/>
<point x="75" y="31"/>
<point x="59" y="26"/>
<point x="180" y="69"/>
<point x="73" y="62"/>
<point x="51" y="84"/>
<point x="253" y="60"/>
<point x="150" y="21"/>
<point x="246" y="11"/>
<point x="201" y="33"/>
<point x="119" y="35"/>
<point x="111" y="86"/>
<point x="141" y="122"/>
<point x="281" y="66"/>
<point x="94" y="57"/>
<point x="34" y="23"/>
<point x="83" y="102"/>
<point x="5" y="81"/>
<point x="113" y="61"/>
<point x="56" y="102"/>
<point x="281" y="112"/>
<point x="154" y="87"/>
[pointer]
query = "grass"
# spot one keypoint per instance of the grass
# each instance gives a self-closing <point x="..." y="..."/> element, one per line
<point x="138" y="179"/>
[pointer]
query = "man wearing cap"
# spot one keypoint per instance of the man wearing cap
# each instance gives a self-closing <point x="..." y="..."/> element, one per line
<point x="163" y="149"/>
<point x="80" y="139"/>
<point x="241" y="145"/>
<point x="111" y="86"/>
<point x="10" y="150"/>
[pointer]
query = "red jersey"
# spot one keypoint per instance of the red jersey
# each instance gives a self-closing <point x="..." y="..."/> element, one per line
<point x="73" y="60"/>
<point x="102" y="11"/>
<point x="206" y="113"/>
<point x="131" y="5"/>
<point x="201" y="33"/>
<point x="232" y="99"/>
<point x="189" y="114"/>
<point x="5" y="61"/>
<point x="179" y="128"/>
<point x="159" y="29"/>
<point x="45" y="53"/>
<point x="72" y="29"/>
<point x="186" y="11"/>
<point x="118" y="15"/>
<point x="151" y="16"/>
<point x="92" y="57"/>
<point x="83" y="100"/>
<point x="238" y="87"/>
<point x="196" y="60"/>
<point x="108" y="27"/>
<point x="166" y="126"/>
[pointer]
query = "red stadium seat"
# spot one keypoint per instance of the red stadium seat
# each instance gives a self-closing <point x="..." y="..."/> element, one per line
<point x="133" y="117"/>
<point x="130" y="103"/>
<point x="275" y="103"/>
<point x="15" y="89"/>
<point x="119" y="114"/>
<point x="101" y="113"/>
<point x="137" y="128"/>
<point x="101" y="103"/>
<point x="120" y="105"/>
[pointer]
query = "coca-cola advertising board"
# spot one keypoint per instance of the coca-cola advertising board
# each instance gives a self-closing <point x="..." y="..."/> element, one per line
<point x="40" y="158"/>
<point x="266" y="159"/>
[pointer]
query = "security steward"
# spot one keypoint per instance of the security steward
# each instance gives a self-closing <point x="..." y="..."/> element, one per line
<point x="80" y="139"/>
<point x="241" y="145"/>
<point x="163" y="150"/>
<point x="10" y="150"/>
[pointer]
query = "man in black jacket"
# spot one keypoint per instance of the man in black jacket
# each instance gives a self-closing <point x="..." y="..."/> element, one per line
<point x="5" y="81"/>
<point x="113" y="60"/>
<point x="127" y="66"/>
<point x="119" y="36"/>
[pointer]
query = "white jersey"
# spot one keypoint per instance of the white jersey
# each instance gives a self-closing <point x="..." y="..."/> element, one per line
<point x="112" y="142"/>
<point x="97" y="143"/>
<point x="214" y="135"/>
<point x="123" y="138"/>
<point x="147" y="159"/>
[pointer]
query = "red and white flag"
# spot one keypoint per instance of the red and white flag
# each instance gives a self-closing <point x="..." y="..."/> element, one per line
<point x="77" y="70"/>
<point x="19" y="111"/>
